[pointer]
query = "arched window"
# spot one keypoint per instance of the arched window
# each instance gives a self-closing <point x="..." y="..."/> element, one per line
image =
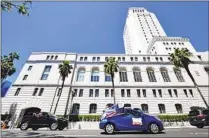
<point x="207" y="70"/>
<point x="107" y="77"/>
<point x="179" y="108"/>
<point x="123" y="75"/>
<point x="95" y="75"/>
<point x="151" y="75"/>
<point x="127" y="105"/>
<point x="161" y="108"/>
<point x="93" y="108"/>
<point x="75" y="109"/>
<point x="165" y="75"/>
<point x="178" y="75"/>
<point x="81" y="75"/>
<point x="137" y="75"/>
<point x="145" y="108"/>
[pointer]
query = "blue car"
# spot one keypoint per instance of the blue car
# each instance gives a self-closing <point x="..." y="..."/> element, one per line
<point x="127" y="119"/>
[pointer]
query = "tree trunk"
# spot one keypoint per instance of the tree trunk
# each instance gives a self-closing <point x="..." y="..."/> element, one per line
<point x="113" y="86"/>
<point x="55" y="95"/>
<point x="63" y="82"/>
<point x="195" y="84"/>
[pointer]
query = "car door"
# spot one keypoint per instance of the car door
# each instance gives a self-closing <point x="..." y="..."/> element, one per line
<point x="130" y="120"/>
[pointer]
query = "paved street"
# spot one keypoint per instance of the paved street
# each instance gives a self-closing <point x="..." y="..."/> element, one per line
<point x="169" y="132"/>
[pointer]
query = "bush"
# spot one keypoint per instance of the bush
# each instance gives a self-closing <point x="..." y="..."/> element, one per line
<point x="173" y="118"/>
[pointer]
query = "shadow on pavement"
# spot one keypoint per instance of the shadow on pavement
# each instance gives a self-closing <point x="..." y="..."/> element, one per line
<point x="132" y="132"/>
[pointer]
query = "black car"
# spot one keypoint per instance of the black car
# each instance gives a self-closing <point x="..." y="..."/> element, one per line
<point x="199" y="117"/>
<point x="33" y="118"/>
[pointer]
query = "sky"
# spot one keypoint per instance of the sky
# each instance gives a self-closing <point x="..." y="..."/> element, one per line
<point x="94" y="27"/>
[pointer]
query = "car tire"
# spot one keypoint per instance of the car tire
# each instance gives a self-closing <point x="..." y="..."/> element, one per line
<point x="53" y="126"/>
<point x="34" y="128"/>
<point x="61" y="128"/>
<point x="154" y="128"/>
<point x="24" y="125"/>
<point x="200" y="126"/>
<point x="109" y="128"/>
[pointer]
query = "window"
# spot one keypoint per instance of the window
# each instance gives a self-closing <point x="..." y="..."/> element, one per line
<point x="145" y="108"/>
<point x="81" y="93"/>
<point x="98" y="58"/>
<point x="185" y="92"/>
<point x="156" y="58"/>
<point x="161" y="108"/>
<point x="165" y="75"/>
<point x="191" y="93"/>
<point x="144" y="93"/>
<point x="119" y="58"/>
<point x="136" y="58"/>
<point x="123" y="58"/>
<point x="35" y="91"/>
<point x="179" y="75"/>
<point x="75" y="110"/>
<point x="80" y="75"/>
<point x="131" y="58"/>
<point x="94" y="59"/>
<point x="144" y="58"/>
<point x="59" y="91"/>
<point x="17" y="92"/>
<point x="97" y="93"/>
<point x="93" y="108"/>
<point x="95" y="75"/>
<point x="91" y="93"/>
<point x="41" y="92"/>
<point x="154" y="92"/>
<point x="81" y="58"/>
<point x="106" y="92"/>
<point x="151" y="75"/>
<point x="207" y="70"/>
<point x="56" y="57"/>
<point x="161" y="59"/>
<point x="160" y="92"/>
<point x="112" y="93"/>
<point x="170" y="93"/>
<point x="179" y="108"/>
<point x="52" y="57"/>
<point x="30" y="67"/>
<point x="137" y="75"/>
<point x="85" y="59"/>
<point x="107" y="77"/>
<point x="127" y="105"/>
<point x="75" y="92"/>
<point x="106" y="58"/>
<point x="45" y="73"/>
<point x="47" y="58"/>
<point x="25" y="77"/>
<point x="128" y="93"/>
<point x="199" y="57"/>
<point x="148" y="58"/>
<point x="122" y="93"/>
<point x="175" y="92"/>
<point x="138" y="92"/>
<point x="123" y="75"/>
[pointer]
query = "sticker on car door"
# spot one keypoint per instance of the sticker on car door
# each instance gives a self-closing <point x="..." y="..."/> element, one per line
<point x="137" y="121"/>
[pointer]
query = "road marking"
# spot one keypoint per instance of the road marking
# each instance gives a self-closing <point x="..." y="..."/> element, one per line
<point x="198" y="133"/>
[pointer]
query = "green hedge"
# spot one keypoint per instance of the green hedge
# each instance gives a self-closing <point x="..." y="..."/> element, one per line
<point x="164" y="118"/>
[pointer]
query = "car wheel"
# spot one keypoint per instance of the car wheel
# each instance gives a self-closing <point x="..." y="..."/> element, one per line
<point x="200" y="126"/>
<point x="154" y="128"/>
<point x="24" y="125"/>
<point x="34" y="128"/>
<point x="53" y="126"/>
<point x="61" y="128"/>
<point x="109" y="128"/>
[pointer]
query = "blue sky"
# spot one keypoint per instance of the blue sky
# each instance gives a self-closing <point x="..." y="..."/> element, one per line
<point x="94" y="27"/>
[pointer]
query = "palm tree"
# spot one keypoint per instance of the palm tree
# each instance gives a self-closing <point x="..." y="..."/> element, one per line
<point x="111" y="67"/>
<point x="64" y="70"/>
<point x="181" y="58"/>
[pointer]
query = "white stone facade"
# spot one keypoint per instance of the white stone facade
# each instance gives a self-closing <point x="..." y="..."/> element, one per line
<point x="25" y="93"/>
